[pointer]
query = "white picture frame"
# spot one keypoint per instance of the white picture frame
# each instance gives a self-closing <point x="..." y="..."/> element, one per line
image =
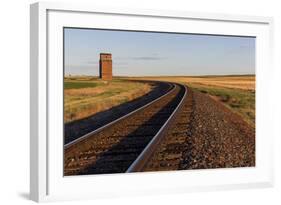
<point x="46" y="177"/>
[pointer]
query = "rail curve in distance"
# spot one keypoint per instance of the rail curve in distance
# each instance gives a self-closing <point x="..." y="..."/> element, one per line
<point x="126" y="144"/>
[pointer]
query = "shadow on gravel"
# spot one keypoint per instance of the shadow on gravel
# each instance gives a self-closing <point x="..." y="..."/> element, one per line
<point x="118" y="158"/>
<point x="76" y="129"/>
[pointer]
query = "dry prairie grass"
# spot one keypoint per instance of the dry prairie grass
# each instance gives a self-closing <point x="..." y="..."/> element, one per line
<point x="235" y="92"/>
<point x="239" y="101"/>
<point x="81" y="102"/>
<point x="243" y="83"/>
<point x="236" y="82"/>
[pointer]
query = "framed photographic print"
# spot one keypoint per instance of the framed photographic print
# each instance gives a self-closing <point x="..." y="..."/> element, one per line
<point x="127" y="102"/>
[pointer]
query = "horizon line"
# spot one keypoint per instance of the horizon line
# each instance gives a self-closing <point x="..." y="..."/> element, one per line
<point x="248" y="74"/>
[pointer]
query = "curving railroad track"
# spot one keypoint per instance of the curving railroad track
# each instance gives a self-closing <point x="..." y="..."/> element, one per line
<point x="146" y="139"/>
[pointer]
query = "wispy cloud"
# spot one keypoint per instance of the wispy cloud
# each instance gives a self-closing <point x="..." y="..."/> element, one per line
<point x="120" y="63"/>
<point x="147" y="58"/>
<point x="96" y="63"/>
<point x="152" y="57"/>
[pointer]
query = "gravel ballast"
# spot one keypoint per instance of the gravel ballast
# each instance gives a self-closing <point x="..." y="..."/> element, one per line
<point x="219" y="138"/>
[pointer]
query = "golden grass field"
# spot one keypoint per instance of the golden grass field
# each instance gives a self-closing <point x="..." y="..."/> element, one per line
<point x="246" y="82"/>
<point x="85" y="96"/>
<point x="236" y="92"/>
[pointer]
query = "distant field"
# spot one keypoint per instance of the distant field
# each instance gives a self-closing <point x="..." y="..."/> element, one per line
<point x="244" y="82"/>
<point x="85" y="96"/>
<point x="236" y="92"/>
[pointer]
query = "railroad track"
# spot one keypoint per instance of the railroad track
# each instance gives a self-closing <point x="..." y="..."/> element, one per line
<point x="132" y="142"/>
<point x="76" y="129"/>
<point x="165" y="151"/>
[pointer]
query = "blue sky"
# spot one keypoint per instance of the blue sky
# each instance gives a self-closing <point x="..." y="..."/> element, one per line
<point x="156" y="54"/>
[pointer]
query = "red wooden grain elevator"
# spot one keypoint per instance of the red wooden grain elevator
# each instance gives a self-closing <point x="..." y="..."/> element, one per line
<point x="106" y="66"/>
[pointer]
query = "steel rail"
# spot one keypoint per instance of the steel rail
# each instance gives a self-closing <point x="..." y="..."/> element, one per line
<point x="117" y="120"/>
<point x="141" y="161"/>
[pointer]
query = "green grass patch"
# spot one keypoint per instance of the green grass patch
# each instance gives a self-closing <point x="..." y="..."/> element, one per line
<point x="85" y="96"/>
<point x="87" y="82"/>
<point x="240" y="101"/>
<point x="78" y="85"/>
